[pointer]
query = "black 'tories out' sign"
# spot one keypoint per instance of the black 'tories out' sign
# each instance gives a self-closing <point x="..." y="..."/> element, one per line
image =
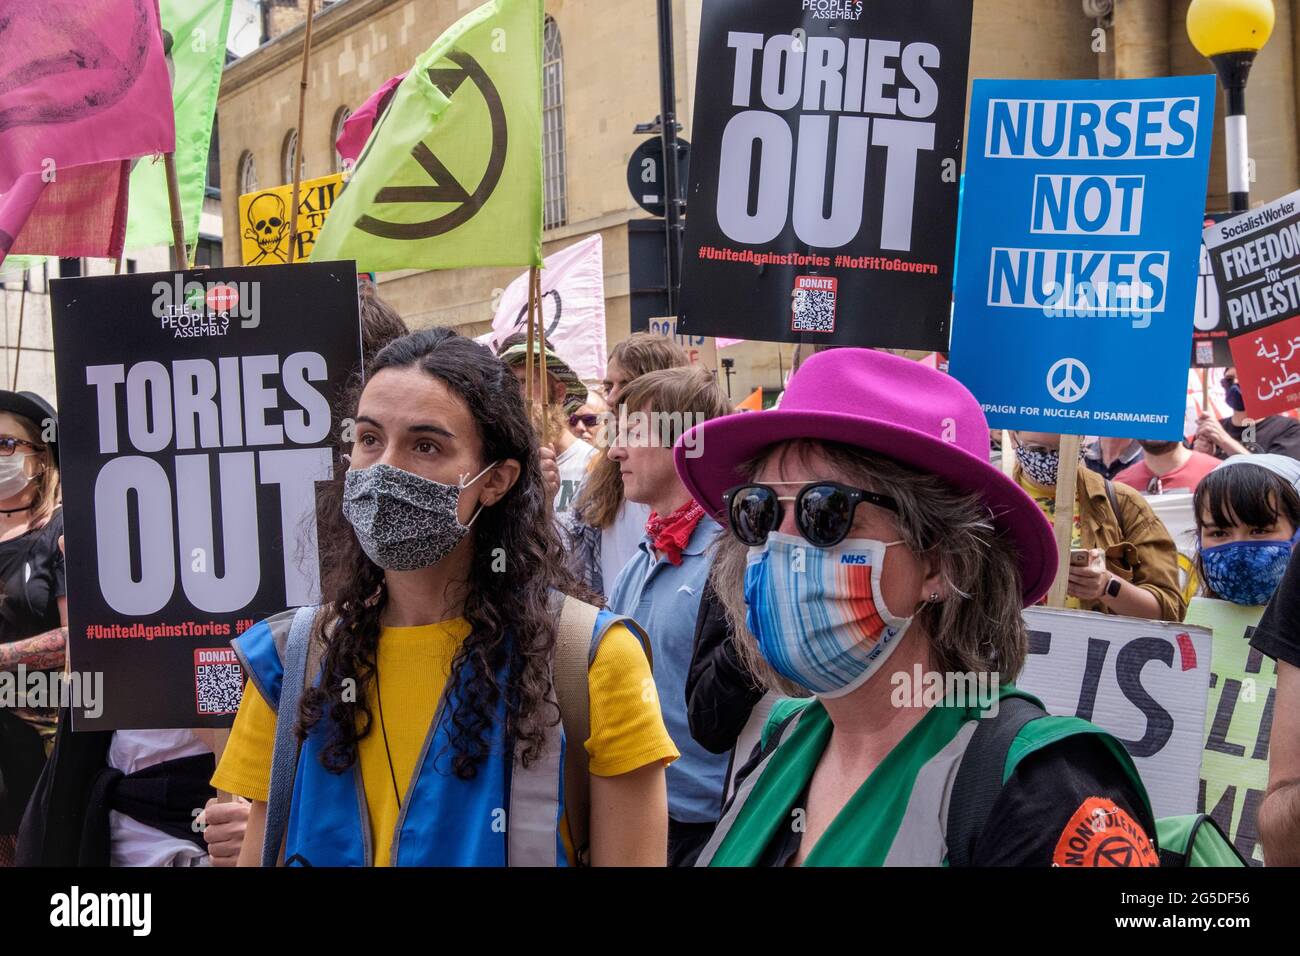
<point x="824" y="176"/>
<point x="197" y="416"/>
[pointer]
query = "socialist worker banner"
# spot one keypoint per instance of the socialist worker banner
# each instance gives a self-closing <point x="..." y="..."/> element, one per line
<point x="827" y="141"/>
<point x="196" y="419"/>
<point x="1255" y="257"/>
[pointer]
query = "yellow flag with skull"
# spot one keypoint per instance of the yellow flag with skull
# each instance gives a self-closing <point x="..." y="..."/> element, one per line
<point x="264" y="220"/>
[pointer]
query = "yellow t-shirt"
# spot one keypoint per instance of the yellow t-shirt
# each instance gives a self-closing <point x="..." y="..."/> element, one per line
<point x="1046" y="498"/>
<point x="627" y="727"/>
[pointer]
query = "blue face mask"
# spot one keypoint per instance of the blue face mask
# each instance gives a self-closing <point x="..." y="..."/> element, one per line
<point x="1246" y="572"/>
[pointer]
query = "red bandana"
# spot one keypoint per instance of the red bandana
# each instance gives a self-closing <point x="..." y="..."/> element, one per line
<point x="669" y="535"/>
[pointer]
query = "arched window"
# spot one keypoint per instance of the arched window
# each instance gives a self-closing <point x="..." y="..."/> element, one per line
<point x="247" y="173"/>
<point x="555" y="202"/>
<point x="340" y="117"/>
<point x="287" y="153"/>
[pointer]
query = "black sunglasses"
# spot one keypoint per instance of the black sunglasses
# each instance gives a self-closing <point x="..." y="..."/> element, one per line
<point x="591" y="421"/>
<point x="823" y="511"/>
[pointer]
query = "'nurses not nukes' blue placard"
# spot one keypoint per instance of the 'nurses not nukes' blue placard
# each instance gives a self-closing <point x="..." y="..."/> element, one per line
<point x="1079" y="252"/>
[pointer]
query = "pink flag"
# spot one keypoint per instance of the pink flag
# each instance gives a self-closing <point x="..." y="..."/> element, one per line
<point x="81" y="85"/>
<point x="356" y="128"/>
<point x="83" y="214"/>
<point x="573" y="306"/>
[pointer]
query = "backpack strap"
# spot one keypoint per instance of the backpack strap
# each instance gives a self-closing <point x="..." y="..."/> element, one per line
<point x="1177" y="838"/>
<point x="301" y="660"/>
<point x="1114" y="503"/>
<point x="573" y="643"/>
<point x="981" y="774"/>
<point x="783" y="711"/>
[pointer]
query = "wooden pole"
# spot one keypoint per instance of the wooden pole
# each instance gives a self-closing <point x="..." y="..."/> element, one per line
<point x="541" y="340"/>
<point x="18" y="352"/>
<point x="297" y="149"/>
<point x="1008" y="453"/>
<point x="1066" y="478"/>
<point x="179" y="259"/>
<point x="1205" y="391"/>
<point x="529" y="379"/>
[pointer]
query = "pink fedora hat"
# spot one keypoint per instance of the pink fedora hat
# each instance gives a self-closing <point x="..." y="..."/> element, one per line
<point x="882" y="403"/>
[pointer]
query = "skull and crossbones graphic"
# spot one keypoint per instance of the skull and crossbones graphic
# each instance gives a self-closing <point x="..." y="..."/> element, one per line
<point x="267" y="227"/>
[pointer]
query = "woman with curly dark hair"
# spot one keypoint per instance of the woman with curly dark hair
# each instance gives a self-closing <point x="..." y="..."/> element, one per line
<point x="433" y="734"/>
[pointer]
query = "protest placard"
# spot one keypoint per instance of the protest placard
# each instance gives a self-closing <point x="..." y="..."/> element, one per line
<point x="1256" y="260"/>
<point x="824" y="172"/>
<point x="1238" y="721"/>
<point x="1209" y="324"/>
<point x="700" y="350"/>
<point x="264" y="220"/>
<point x="196" y="420"/>
<point x="1080" y="233"/>
<point x="1179" y="518"/>
<point x="1142" y="681"/>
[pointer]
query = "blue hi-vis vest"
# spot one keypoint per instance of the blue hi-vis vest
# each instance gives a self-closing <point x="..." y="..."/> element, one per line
<point x="507" y="815"/>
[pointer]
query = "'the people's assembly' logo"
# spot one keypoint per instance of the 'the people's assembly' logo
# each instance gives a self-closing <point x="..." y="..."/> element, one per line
<point x="444" y="185"/>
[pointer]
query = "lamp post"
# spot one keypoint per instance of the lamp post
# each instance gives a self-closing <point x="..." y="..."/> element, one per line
<point x="1229" y="33"/>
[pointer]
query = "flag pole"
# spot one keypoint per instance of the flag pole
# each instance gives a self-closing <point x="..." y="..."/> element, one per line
<point x="179" y="259"/>
<point x="178" y="219"/>
<point x="532" y="329"/>
<point x="18" y="352"/>
<point x="536" y="293"/>
<point x="297" y="149"/>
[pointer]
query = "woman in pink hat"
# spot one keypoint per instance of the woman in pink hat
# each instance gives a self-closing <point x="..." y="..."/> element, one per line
<point x="878" y="562"/>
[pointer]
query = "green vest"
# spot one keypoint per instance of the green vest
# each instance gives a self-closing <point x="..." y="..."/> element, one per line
<point x="899" y="815"/>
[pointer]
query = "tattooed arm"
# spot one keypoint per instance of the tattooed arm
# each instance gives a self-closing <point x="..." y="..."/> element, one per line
<point x="42" y="652"/>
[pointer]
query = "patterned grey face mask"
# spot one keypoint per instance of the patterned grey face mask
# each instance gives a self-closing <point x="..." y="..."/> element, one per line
<point x="404" y="522"/>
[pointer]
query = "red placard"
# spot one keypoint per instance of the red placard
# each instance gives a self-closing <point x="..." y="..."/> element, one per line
<point x="1268" y="367"/>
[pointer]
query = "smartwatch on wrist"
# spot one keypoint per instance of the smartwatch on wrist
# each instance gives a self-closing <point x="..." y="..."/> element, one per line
<point x="1112" y="589"/>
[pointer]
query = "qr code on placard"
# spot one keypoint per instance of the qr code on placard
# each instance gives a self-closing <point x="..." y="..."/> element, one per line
<point x="814" y="304"/>
<point x="218" y="681"/>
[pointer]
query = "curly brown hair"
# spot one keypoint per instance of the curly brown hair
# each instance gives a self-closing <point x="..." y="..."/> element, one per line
<point x="512" y="623"/>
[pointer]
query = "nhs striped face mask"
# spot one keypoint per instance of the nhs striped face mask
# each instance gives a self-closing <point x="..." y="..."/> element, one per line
<point x="818" y="613"/>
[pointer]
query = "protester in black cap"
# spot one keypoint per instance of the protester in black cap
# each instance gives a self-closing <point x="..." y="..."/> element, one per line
<point x="1240" y="434"/>
<point x="33" y="606"/>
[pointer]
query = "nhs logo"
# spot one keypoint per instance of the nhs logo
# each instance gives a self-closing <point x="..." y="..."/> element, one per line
<point x="859" y="559"/>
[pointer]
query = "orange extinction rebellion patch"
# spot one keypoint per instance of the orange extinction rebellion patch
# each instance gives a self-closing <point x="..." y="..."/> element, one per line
<point x="1101" y="834"/>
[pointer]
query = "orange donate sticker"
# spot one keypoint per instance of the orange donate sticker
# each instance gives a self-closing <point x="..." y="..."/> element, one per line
<point x="1101" y="834"/>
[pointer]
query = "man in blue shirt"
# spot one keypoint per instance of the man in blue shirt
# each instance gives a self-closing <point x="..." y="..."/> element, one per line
<point x="662" y="585"/>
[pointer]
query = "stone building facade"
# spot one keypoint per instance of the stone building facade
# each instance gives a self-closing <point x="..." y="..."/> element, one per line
<point x="608" y="65"/>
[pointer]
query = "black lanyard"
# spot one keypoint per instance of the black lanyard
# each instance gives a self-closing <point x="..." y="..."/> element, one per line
<point x="379" y="700"/>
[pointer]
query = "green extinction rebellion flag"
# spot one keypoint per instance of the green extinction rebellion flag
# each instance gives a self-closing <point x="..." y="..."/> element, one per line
<point x="452" y="174"/>
<point x="198" y="52"/>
